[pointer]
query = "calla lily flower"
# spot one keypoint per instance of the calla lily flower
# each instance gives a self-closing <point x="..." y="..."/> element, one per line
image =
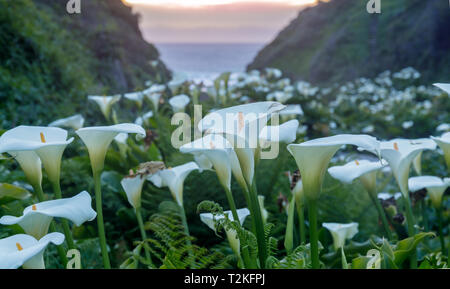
<point x="245" y="123"/>
<point x="386" y="196"/>
<point x="105" y="103"/>
<point x="144" y="119"/>
<point x="444" y="143"/>
<point x="313" y="157"/>
<point x="132" y="185"/>
<point x="210" y="220"/>
<point x="286" y="133"/>
<point x="75" y="122"/>
<point x="364" y="169"/>
<point x="36" y="219"/>
<point x="291" y="111"/>
<point x="341" y="232"/>
<point x="179" y="102"/>
<point x="137" y="97"/>
<point x="48" y="143"/>
<point x="428" y="144"/>
<point x="154" y="94"/>
<point x="203" y="162"/>
<point x="97" y="140"/>
<point x="435" y="187"/>
<point x="221" y="156"/>
<point x="24" y="250"/>
<point x="400" y="153"/>
<point x="444" y="86"/>
<point x="174" y="179"/>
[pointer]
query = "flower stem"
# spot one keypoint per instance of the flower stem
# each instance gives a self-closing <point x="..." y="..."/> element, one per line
<point x="144" y="235"/>
<point x="232" y="204"/>
<point x="259" y="225"/>
<point x="59" y="248"/>
<point x="100" y="223"/>
<point x="441" y="235"/>
<point x="411" y="230"/>
<point x="65" y="223"/>
<point x="301" y="222"/>
<point x="186" y="231"/>
<point x="382" y="216"/>
<point x="424" y="215"/>
<point x="313" y="233"/>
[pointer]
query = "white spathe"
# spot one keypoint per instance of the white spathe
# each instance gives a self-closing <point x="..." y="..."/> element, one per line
<point x="24" y="250"/>
<point x="141" y="120"/>
<point x="179" y="102"/>
<point x="48" y="143"/>
<point x="444" y="86"/>
<point x="210" y="220"/>
<point x="220" y="154"/>
<point x="365" y="170"/>
<point x="174" y="179"/>
<point x="36" y="218"/>
<point x="286" y="133"/>
<point x="241" y="126"/>
<point x="98" y="138"/>
<point x="313" y="157"/>
<point x="435" y="187"/>
<point x="355" y="169"/>
<point x="341" y="232"/>
<point x="386" y="196"/>
<point x="132" y="185"/>
<point x="75" y="122"/>
<point x="137" y="97"/>
<point x="105" y="103"/>
<point x="400" y="153"/>
<point x="444" y="143"/>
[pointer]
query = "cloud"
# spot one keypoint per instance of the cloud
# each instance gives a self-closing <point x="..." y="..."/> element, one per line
<point x="242" y="22"/>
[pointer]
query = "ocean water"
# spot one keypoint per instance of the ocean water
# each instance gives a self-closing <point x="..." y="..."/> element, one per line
<point x="207" y="61"/>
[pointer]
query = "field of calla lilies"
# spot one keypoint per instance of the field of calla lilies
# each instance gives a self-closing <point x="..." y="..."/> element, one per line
<point x="251" y="170"/>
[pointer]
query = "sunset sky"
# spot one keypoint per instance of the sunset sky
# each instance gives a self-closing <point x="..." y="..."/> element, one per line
<point x="215" y="21"/>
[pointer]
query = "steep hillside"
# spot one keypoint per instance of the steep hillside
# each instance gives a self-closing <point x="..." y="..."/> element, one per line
<point x="50" y="60"/>
<point x="339" y="41"/>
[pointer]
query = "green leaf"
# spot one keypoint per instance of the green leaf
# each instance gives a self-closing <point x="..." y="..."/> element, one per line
<point x="360" y="262"/>
<point x="10" y="192"/>
<point x="407" y="246"/>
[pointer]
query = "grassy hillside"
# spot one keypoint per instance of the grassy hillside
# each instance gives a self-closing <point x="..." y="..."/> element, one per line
<point x="50" y="60"/>
<point x="339" y="41"/>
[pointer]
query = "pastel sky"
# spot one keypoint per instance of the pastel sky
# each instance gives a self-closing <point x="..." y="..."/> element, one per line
<point x="215" y="21"/>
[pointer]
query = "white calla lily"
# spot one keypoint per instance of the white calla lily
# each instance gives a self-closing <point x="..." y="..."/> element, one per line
<point x="179" y="102"/>
<point x="241" y="126"/>
<point x="341" y="232"/>
<point x="386" y="196"/>
<point x="220" y="154"/>
<point x="105" y="103"/>
<point x="203" y="162"/>
<point x="48" y="143"/>
<point x="210" y="220"/>
<point x="97" y="140"/>
<point x="137" y="97"/>
<point x="36" y="218"/>
<point x="174" y="179"/>
<point x="24" y="250"/>
<point x="154" y="94"/>
<point x="144" y="118"/>
<point x="435" y="187"/>
<point x="313" y="157"/>
<point x="444" y="86"/>
<point x="444" y="143"/>
<point x="75" y="122"/>
<point x="364" y="169"/>
<point x="132" y="185"/>
<point x="400" y="153"/>
<point x="286" y="133"/>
